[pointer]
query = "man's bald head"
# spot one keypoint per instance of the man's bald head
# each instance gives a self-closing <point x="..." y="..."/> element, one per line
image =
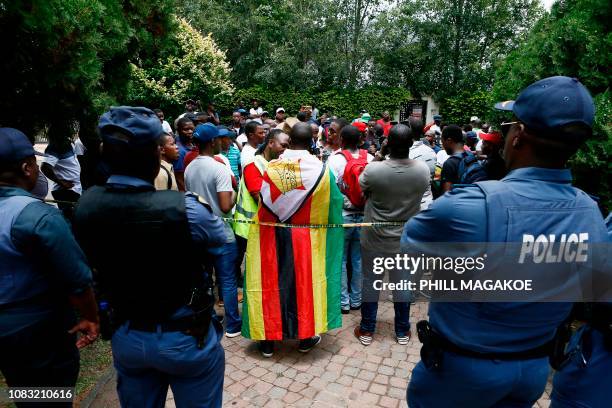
<point x="301" y="136"/>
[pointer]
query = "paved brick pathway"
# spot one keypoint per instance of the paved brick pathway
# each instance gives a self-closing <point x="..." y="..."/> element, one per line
<point x="340" y="372"/>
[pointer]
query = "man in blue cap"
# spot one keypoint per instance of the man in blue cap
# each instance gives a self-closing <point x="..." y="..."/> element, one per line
<point x="42" y="273"/>
<point x="213" y="181"/>
<point x="495" y="354"/>
<point x="160" y="306"/>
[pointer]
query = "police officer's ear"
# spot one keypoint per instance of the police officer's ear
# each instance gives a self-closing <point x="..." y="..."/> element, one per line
<point x="29" y="167"/>
<point x="516" y="136"/>
<point x="29" y="170"/>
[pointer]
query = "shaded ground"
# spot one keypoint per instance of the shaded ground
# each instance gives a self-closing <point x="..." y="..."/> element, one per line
<point x="340" y="372"/>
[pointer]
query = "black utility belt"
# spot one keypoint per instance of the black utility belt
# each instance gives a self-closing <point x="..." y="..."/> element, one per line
<point x="44" y="299"/>
<point x="537" y="352"/>
<point x="182" y="324"/>
<point x="432" y="339"/>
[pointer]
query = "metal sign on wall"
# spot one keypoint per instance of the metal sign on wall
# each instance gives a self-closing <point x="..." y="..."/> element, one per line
<point x="416" y="109"/>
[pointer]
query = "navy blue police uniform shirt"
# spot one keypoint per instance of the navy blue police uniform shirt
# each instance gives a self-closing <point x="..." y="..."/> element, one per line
<point x="461" y="216"/>
<point x="58" y="265"/>
<point x="205" y="227"/>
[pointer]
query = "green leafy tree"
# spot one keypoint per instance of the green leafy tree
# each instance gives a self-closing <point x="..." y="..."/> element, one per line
<point x="573" y="40"/>
<point x="65" y="61"/>
<point x="195" y="68"/>
<point x="288" y="43"/>
<point x="445" y="47"/>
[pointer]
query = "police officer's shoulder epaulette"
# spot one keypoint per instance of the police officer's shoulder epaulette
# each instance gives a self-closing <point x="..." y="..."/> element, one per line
<point x="463" y="185"/>
<point x="200" y="199"/>
<point x="464" y="190"/>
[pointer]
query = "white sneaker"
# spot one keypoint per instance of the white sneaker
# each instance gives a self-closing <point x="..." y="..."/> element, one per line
<point x="232" y="335"/>
<point x="403" y="340"/>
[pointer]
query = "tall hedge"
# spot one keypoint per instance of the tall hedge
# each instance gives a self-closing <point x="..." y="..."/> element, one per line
<point x="459" y="109"/>
<point x="340" y="102"/>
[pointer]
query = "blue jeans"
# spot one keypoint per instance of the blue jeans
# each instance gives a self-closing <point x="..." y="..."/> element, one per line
<point x="352" y="251"/>
<point x="147" y="363"/>
<point x="224" y="261"/>
<point x="369" y="307"/>
<point x="472" y="382"/>
<point x="402" y="317"/>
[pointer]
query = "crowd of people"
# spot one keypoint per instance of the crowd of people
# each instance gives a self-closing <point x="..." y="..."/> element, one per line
<point x="285" y="215"/>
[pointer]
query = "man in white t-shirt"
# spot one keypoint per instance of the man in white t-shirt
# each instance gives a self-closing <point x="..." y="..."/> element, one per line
<point x="165" y="124"/>
<point x="61" y="166"/>
<point x="350" y="137"/>
<point x="441" y="157"/>
<point x="255" y="135"/>
<point x="422" y="152"/>
<point x="212" y="180"/>
<point x="256" y="110"/>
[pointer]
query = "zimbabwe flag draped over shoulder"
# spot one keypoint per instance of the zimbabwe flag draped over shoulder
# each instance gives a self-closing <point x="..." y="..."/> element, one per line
<point x="292" y="278"/>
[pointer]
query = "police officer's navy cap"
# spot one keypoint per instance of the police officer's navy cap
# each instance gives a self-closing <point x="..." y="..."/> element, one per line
<point x="205" y="132"/>
<point x="131" y="125"/>
<point x="224" y="131"/>
<point x="437" y="117"/>
<point x="14" y="145"/>
<point x="552" y="102"/>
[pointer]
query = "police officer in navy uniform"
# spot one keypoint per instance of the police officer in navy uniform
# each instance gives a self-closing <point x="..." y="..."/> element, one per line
<point x="584" y="379"/>
<point x="161" y="305"/>
<point x="43" y="276"/>
<point x="496" y="354"/>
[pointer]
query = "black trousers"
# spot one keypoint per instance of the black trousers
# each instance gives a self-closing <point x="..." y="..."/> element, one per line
<point x="41" y="355"/>
<point x="66" y="195"/>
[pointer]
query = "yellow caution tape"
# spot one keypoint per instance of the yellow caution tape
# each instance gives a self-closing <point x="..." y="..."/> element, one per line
<point x="285" y="225"/>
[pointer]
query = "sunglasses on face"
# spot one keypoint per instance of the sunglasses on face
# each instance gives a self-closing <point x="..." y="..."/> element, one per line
<point x="505" y="127"/>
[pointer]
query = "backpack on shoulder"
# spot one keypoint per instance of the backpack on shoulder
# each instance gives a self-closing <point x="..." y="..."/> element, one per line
<point x="470" y="170"/>
<point x="350" y="180"/>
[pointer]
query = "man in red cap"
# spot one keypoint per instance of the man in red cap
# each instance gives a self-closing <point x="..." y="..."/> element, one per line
<point x="363" y="128"/>
<point x="494" y="164"/>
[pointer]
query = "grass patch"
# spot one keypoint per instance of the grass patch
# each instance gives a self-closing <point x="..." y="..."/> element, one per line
<point x="95" y="359"/>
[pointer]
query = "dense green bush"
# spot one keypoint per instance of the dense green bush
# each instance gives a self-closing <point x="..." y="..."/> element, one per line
<point x="574" y="40"/>
<point x="344" y="103"/>
<point x="195" y="68"/>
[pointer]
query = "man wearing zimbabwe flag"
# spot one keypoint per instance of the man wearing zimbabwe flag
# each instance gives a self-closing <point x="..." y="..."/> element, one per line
<point x="292" y="278"/>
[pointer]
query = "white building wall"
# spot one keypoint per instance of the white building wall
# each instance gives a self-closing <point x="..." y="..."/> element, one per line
<point x="432" y="108"/>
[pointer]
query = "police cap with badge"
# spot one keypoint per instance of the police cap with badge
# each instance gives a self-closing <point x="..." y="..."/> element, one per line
<point x="551" y="103"/>
<point x="14" y="146"/>
<point x="133" y="126"/>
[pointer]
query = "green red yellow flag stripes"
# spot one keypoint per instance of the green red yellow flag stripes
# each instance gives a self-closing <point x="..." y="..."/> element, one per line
<point x="292" y="280"/>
